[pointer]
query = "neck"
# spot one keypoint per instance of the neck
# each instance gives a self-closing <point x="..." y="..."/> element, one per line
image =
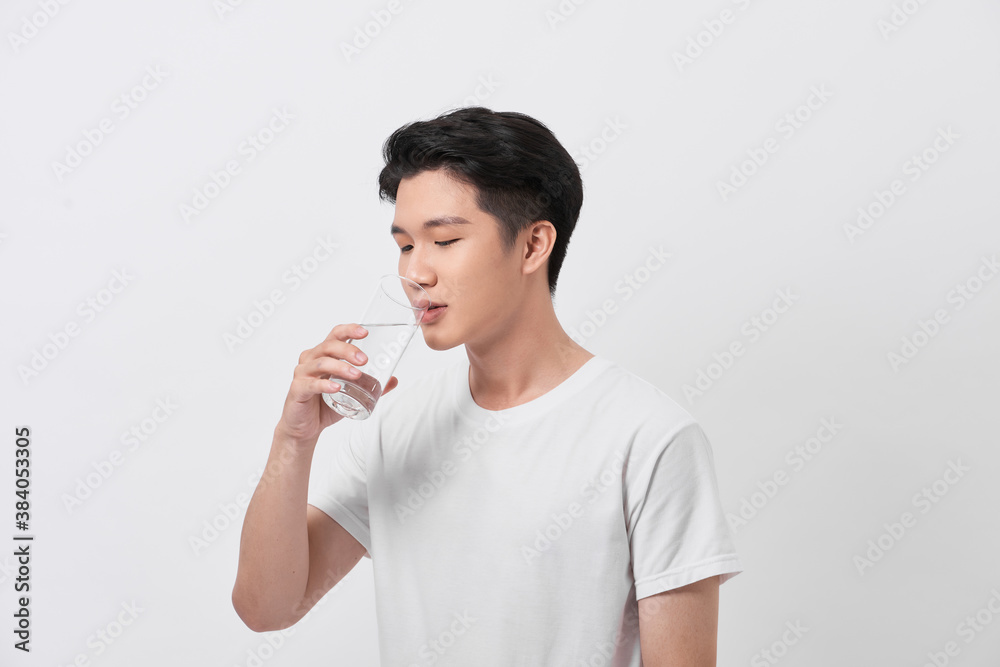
<point x="530" y="354"/>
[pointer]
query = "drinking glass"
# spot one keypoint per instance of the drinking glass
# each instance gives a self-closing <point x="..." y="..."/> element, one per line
<point x="391" y="318"/>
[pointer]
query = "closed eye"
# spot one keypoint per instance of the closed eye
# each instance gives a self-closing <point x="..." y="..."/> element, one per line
<point x="440" y="243"/>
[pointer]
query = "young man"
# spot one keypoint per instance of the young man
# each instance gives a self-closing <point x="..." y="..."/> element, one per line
<point x="534" y="504"/>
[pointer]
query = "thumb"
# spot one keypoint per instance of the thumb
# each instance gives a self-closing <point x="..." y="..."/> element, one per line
<point x="391" y="384"/>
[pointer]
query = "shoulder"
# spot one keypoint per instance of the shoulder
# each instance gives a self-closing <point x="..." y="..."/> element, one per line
<point x="642" y="403"/>
<point x="650" y="419"/>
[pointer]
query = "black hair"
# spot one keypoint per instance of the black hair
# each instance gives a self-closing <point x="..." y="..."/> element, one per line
<point x="519" y="169"/>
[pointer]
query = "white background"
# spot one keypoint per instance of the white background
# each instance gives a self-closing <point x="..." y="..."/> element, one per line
<point x="685" y="127"/>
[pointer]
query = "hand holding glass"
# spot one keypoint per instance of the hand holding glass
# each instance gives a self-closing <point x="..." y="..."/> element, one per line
<point x="391" y="318"/>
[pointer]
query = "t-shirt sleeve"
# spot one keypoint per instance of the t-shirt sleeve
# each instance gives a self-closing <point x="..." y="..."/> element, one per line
<point x="341" y="488"/>
<point x="678" y="532"/>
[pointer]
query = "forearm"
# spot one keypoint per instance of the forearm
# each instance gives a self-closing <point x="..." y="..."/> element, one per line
<point x="274" y="545"/>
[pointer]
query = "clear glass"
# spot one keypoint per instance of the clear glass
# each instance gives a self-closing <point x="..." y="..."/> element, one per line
<point x="391" y="318"/>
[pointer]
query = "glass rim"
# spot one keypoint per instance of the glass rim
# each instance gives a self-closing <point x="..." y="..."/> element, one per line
<point x="407" y="304"/>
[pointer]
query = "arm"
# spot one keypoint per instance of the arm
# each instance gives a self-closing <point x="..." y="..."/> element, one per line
<point x="274" y="556"/>
<point x="291" y="554"/>
<point x="679" y="627"/>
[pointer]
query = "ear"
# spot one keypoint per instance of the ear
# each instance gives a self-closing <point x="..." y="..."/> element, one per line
<point x="540" y="237"/>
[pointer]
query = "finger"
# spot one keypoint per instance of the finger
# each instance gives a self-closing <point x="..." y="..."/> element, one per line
<point x="336" y="349"/>
<point x="305" y="391"/>
<point x="324" y="367"/>
<point x="345" y="331"/>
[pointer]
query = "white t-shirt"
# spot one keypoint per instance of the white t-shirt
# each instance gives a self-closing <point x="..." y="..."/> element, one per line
<point x="524" y="536"/>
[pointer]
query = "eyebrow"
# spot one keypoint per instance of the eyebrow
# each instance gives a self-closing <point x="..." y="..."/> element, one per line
<point x="444" y="221"/>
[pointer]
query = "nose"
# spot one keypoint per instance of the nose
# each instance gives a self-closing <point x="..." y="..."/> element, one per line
<point x="417" y="269"/>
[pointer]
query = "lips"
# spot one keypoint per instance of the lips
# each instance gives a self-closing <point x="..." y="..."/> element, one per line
<point x="434" y="312"/>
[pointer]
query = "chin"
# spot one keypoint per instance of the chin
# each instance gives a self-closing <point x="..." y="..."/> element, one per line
<point x="438" y="343"/>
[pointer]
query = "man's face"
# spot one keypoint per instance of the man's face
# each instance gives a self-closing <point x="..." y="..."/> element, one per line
<point x="460" y="265"/>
